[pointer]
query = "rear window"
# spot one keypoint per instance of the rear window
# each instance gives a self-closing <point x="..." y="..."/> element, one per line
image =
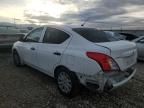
<point x="94" y="35"/>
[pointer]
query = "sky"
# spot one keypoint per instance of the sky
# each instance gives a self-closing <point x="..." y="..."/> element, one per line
<point x="102" y="12"/>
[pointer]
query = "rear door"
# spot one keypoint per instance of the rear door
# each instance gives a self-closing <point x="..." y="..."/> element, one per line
<point x="29" y="47"/>
<point x="51" y="49"/>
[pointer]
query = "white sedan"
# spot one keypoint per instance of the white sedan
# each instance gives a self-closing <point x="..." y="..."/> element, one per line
<point x="77" y="55"/>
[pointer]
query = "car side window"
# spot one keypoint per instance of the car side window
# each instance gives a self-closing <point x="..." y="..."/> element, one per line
<point x="34" y="36"/>
<point x="55" y="36"/>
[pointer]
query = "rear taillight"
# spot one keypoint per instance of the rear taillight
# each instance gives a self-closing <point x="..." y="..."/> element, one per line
<point x="106" y="62"/>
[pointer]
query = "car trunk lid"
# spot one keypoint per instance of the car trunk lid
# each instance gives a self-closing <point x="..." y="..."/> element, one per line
<point x="123" y="52"/>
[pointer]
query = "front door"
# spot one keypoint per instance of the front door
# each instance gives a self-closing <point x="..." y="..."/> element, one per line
<point x="30" y="45"/>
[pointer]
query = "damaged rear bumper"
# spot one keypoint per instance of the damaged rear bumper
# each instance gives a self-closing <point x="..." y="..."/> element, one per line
<point x="108" y="82"/>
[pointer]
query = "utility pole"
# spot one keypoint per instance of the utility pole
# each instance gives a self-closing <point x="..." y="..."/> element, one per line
<point x="121" y="27"/>
<point x="40" y="15"/>
<point x="15" y="19"/>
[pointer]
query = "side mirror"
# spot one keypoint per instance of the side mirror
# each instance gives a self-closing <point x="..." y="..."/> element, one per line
<point x="22" y="38"/>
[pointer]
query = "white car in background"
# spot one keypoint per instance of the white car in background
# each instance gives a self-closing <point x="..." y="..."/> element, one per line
<point x="140" y="47"/>
<point x="77" y="55"/>
<point x="114" y="35"/>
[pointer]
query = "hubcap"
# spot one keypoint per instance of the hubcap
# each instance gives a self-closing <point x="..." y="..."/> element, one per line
<point x="64" y="82"/>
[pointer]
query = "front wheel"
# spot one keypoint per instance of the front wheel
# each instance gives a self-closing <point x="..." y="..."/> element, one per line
<point x="67" y="82"/>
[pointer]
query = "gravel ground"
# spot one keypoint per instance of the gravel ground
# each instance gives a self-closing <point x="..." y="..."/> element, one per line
<point x="28" y="88"/>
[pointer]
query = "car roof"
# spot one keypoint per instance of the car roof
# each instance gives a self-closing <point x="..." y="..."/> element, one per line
<point x="68" y="26"/>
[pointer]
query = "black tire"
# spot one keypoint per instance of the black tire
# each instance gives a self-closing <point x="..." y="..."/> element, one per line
<point x="74" y="82"/>
<point x="16" y="59"/>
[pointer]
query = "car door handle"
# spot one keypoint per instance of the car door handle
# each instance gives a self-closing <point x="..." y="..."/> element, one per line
<point x="57" y="53"/>
<point x="32" y="48"/>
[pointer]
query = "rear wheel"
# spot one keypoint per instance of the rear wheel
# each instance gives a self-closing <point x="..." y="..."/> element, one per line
<point x="67" y="82"/>
<point x="16" y="59"/>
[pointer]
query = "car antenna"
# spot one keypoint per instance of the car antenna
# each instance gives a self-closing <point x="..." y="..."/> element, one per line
<point x="85" y="22"/>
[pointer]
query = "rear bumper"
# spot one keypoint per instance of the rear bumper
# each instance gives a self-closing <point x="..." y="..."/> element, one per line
<point x="111" y="82"/>
<point x="111" y="85"/>
<point x="126" y="80"/>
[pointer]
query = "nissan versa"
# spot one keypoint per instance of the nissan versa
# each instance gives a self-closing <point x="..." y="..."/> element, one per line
<point x="77" y="55"/>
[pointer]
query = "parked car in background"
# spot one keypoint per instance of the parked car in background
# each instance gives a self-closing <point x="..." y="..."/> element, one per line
<point x="77" y="55"/>
<point x="115" y="35"/>
<point x="129" y="37"/>
<point x="121" y="36"/>
<point x="140" y="47"/>
<point x="7" y="40"/>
